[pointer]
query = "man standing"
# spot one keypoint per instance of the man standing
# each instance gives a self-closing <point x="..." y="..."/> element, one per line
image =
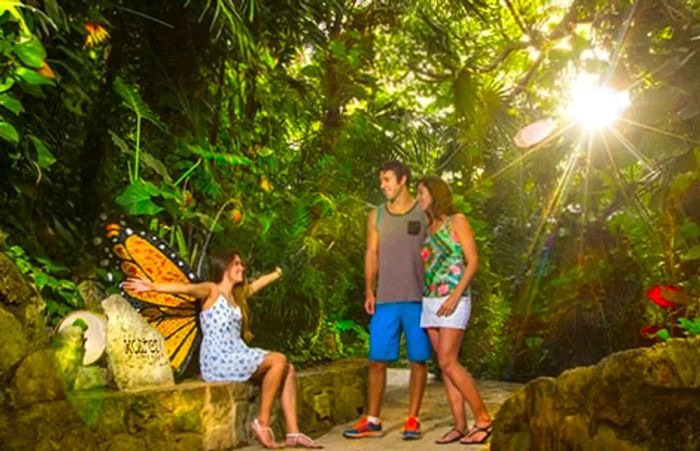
<point x="395" y="232"/>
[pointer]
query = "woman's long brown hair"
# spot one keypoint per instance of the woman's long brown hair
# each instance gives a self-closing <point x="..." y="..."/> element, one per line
<point x="442" y="204"/>
<point x="218" y="265"/>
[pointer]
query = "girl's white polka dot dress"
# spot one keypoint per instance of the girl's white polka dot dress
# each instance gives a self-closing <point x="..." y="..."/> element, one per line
<point x="224" y="355"/>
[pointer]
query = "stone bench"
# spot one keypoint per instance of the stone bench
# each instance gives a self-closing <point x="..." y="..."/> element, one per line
<point x="36" y="413"/>
<point x="190" y="415"/>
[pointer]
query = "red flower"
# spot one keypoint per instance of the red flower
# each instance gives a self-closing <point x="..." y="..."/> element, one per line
<point x="648" y="331"/>
<point x="656" y="295"/>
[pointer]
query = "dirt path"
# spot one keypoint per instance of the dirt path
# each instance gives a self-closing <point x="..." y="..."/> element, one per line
<point x="435" y="417"/>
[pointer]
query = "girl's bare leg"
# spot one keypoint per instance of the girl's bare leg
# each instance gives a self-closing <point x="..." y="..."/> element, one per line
<point x="288" y="400"/>
<point x="454" y="396"/>
<point x="449" y="341"/>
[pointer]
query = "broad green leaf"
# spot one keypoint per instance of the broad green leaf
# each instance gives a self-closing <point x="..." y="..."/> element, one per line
<point x="344" y="324"/>
<point x="690" y="230"/>
<point x="338" y="49"/>
<point x="6" y="83"/>
<point x="31" y="52"/>
<point x="311" y="71"/>
<point x="208" y="222"/>
<point x="266" y="222"/>
<point x="133" y="101"/>
<point x="218" y="157"/>
<point x="168" y="191"/>
<point x="136" y="198"/>
<point x="32" y="77"/>
<point x="80" y="323"/>
<point x="8" y="101"/>
<point x="66" y="284"/>
<point x="533" y="342"/>
<point x="8" y="133"/>
<point x="681" y="182"/>
<point x="267" y="58"/>
<point x="40" y="279"/>
<point x="692" y="326"/>
<point x="663" y="334"/>
<point x="44" y="156"/>
<point x="152" y="162"/>
<point x="51" y="267"/>
<point x="5" y="46"/>
<point x="692" y="254"/>
<point x="13" y="6"/>
<point x="120" y="143"/>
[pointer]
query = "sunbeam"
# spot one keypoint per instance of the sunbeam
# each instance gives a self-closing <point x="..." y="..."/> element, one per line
<point x="560" y="131"/>
<point x="658" y="130"/>
<point x="631" y="149"/>
<point x="632" y="198"/>
<point x="555" y="200"/>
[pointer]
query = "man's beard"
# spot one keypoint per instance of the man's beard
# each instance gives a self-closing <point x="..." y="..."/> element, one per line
<point x="391" y="199"/>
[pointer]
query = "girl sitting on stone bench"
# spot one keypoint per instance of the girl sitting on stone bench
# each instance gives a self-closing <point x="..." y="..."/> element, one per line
<point x="225" y="356"/>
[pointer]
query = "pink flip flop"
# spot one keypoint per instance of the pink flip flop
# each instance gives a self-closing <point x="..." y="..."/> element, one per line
<point x="267" y="442"/>
<point x="299" y="440"/>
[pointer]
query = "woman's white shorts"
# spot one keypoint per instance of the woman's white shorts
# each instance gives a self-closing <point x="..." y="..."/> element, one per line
<point x="457" y="320"/>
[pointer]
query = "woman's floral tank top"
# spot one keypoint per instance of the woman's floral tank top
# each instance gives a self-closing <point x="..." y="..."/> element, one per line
<point x="443" y="261"/>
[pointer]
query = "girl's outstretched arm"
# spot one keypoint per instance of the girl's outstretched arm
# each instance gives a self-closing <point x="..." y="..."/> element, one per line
<point x="263" y="281"/>
<point x="201" y="291"/>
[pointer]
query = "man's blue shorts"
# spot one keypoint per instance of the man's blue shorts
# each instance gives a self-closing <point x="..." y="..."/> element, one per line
<point x="385" y="332"/>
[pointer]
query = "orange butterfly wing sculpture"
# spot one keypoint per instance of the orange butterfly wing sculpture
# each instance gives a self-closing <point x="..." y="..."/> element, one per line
<point x="175" y="316"/>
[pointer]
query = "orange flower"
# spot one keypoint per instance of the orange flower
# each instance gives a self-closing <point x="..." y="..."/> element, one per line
<point x="96" y="34"/>
<point x="46" y="71"/>
<point x="236" y="215"/>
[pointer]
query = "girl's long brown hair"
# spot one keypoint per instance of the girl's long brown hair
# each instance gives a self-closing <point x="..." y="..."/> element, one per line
<point x="442" y="204"/>
<point x="218" y="265"/>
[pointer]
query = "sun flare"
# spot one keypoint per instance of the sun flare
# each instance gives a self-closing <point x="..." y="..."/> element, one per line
<point x="595" y="106"/>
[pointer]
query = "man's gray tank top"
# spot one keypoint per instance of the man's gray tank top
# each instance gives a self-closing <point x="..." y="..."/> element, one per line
<point x="400" y="271"/>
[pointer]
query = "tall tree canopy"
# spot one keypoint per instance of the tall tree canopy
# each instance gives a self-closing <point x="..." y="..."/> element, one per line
<point x="261" y="125"/>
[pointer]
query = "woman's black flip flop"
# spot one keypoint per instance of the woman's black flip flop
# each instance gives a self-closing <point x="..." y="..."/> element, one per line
<point x="444" y="441"/>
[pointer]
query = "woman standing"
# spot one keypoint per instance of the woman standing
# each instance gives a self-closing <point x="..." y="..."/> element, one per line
<point x="450" y="261"/>
<point x="225" y="355"/>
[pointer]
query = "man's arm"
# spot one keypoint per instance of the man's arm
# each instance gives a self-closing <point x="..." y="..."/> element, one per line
<point x="371" y="259"/>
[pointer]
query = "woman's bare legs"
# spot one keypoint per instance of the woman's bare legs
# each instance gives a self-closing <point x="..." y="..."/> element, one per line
<point x="275" y="372"/>
<point x="454" y="396"/>
<point x="449" y="341"/>
<point x="272" y="372"/>
<point x="288" y="400"/>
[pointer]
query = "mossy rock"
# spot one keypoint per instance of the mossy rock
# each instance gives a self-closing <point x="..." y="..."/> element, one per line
<point x="14" y="344"/>
<point x="19" y="298"/>
<point x="332" y="394"/>
<point x="14" y="289"/>
<point x="641" y="399"/>
<point x="37" y="380"/>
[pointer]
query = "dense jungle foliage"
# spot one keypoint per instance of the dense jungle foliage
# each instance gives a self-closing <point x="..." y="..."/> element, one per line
<point x="260" y="125"/>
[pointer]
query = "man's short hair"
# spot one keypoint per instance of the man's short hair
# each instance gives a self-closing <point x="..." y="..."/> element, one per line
<point x="398" y="168"/>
